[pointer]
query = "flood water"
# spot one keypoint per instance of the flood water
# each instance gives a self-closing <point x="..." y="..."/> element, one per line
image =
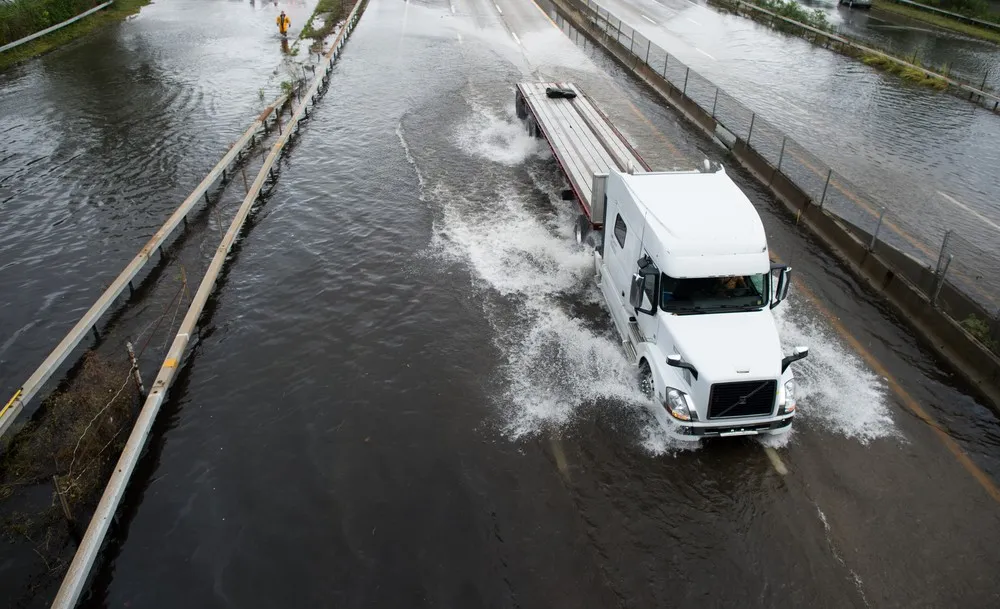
<point x="928" y="157"/>
<point x="407" y="393"/>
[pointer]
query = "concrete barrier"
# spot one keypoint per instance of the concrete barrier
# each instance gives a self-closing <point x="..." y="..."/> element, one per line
<point x="896" y="277"/>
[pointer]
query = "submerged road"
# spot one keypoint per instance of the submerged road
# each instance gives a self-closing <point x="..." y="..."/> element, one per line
<point x="408" y="394"/>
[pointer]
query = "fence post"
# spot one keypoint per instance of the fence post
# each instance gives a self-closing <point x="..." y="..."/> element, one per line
<point x="878" y="226"/>
<point x="687" y="72"/>
<point x="829" y="174"/>
<point x="944" y="248"/>
<point x="750" y="132"/>
<point x="648" y="44"/>
<point x="715" y="101"/>
<point x="781" y="156"/>
<point x="666" y="60"/>
<point x="940" y="280"/>
<point x="982" y="87"/>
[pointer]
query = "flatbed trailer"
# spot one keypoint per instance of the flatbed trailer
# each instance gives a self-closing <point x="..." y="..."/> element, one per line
<point x="584" y="142"/>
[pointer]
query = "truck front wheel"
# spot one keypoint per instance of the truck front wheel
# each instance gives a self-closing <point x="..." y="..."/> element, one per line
<point x="646" y="380"/>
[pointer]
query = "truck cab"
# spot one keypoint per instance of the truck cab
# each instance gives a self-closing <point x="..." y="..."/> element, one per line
<point x="684" y="268"/>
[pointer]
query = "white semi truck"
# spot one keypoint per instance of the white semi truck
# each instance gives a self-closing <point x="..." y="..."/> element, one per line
<point x="682" y="261"/>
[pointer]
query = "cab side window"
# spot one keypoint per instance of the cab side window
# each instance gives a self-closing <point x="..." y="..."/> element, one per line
<point x="620" y="230"/>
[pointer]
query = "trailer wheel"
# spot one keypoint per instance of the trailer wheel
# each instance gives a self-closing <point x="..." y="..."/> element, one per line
<point x="533" y="129"/>
<point x="582" y="229"/>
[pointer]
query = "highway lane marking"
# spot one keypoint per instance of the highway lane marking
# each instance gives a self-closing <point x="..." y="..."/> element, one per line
<point x="498" y="8"/>
<point x="704" y="53"/>
<point x="647" y="19"/>
<point x="560" y="456"/>
<point x="779" y="465"/>
<point x="975" y="213"/>
<point x="693" y="21"/>
<point x="516" y="39"/>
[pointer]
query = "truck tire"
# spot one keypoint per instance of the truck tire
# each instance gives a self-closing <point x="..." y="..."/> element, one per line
<point x="522" y="112"/>
<point x="582" y="229"/>
<point x="533" y="129"/>
<point x="585" y="234"/>
<point x="646" y="385"/>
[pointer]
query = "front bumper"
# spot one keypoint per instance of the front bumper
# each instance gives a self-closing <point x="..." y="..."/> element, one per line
<point x="693" y="431"/>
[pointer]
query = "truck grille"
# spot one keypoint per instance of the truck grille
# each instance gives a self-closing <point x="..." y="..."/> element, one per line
<point x="743" y="399"/>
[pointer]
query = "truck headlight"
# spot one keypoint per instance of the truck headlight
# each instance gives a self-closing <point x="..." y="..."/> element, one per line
<point x="677" y="405"/>
<point x="790" y="395"/>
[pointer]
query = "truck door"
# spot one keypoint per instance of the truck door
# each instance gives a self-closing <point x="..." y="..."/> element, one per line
<point x="648" y="323"/>
<point x="620" y="236"/>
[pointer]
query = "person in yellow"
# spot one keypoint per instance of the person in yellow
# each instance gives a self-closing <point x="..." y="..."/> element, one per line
<point x="283" y="23"/>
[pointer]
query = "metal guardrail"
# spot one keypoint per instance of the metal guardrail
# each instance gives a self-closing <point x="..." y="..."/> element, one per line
<point x="79" y="570"/>
<point x="970" y="269"/>
<point x="957" y="16"/>
<point x="16" y="405"/>
<point x="49" y="30"/>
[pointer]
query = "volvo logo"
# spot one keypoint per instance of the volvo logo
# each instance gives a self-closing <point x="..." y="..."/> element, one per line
<point x="742" y="401"/>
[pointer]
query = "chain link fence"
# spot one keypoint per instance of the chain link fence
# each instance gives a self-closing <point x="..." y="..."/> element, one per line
<point x="957" y="266"/>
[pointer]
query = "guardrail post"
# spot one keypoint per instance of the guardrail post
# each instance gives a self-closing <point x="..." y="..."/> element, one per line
<point x="781" y="155"/>
<point x="648" y="44"/>
<point x="666" y="60"/>
<point x="829" y="174"/>
<point x="715" y="101"/>
<point x="136" y="376"/>
<point x="750" y="132"/>
<point x="687" y="72"/>
<point x="878" y="226"/>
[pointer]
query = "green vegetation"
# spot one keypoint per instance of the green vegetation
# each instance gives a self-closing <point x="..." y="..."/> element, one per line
<point x="903" y="71"/>
<point x="22" y="18"/>
<point x="331" y="12"/>
<point x="980" y="330"/>
<point x="939" y="20"/>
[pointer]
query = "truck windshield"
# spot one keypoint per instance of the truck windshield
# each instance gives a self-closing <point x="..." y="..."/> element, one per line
<point x="714" y="294"/>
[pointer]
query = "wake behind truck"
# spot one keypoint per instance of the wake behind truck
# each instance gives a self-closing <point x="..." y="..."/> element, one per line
<point x="682" y="261"/>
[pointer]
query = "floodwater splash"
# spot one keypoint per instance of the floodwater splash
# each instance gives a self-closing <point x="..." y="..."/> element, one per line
<point x="517" y="239"/>
<point x="508" y="226"/>
<point x="835" y="389"/>
<point x="499" y="138"/>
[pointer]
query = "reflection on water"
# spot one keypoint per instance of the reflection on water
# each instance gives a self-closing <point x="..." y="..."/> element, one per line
<point x="102" y="139"/>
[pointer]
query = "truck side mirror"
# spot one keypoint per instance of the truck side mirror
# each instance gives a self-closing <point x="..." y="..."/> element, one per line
<point x="675" y="360"/>
<point x="797" y="354"/>
<point x="638" y="291"/>
<point x="784" y="279"/>
<point x="635" y="294"/>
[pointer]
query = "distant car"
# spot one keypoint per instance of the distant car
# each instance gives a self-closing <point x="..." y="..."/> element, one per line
<point x="865" y="4"/>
